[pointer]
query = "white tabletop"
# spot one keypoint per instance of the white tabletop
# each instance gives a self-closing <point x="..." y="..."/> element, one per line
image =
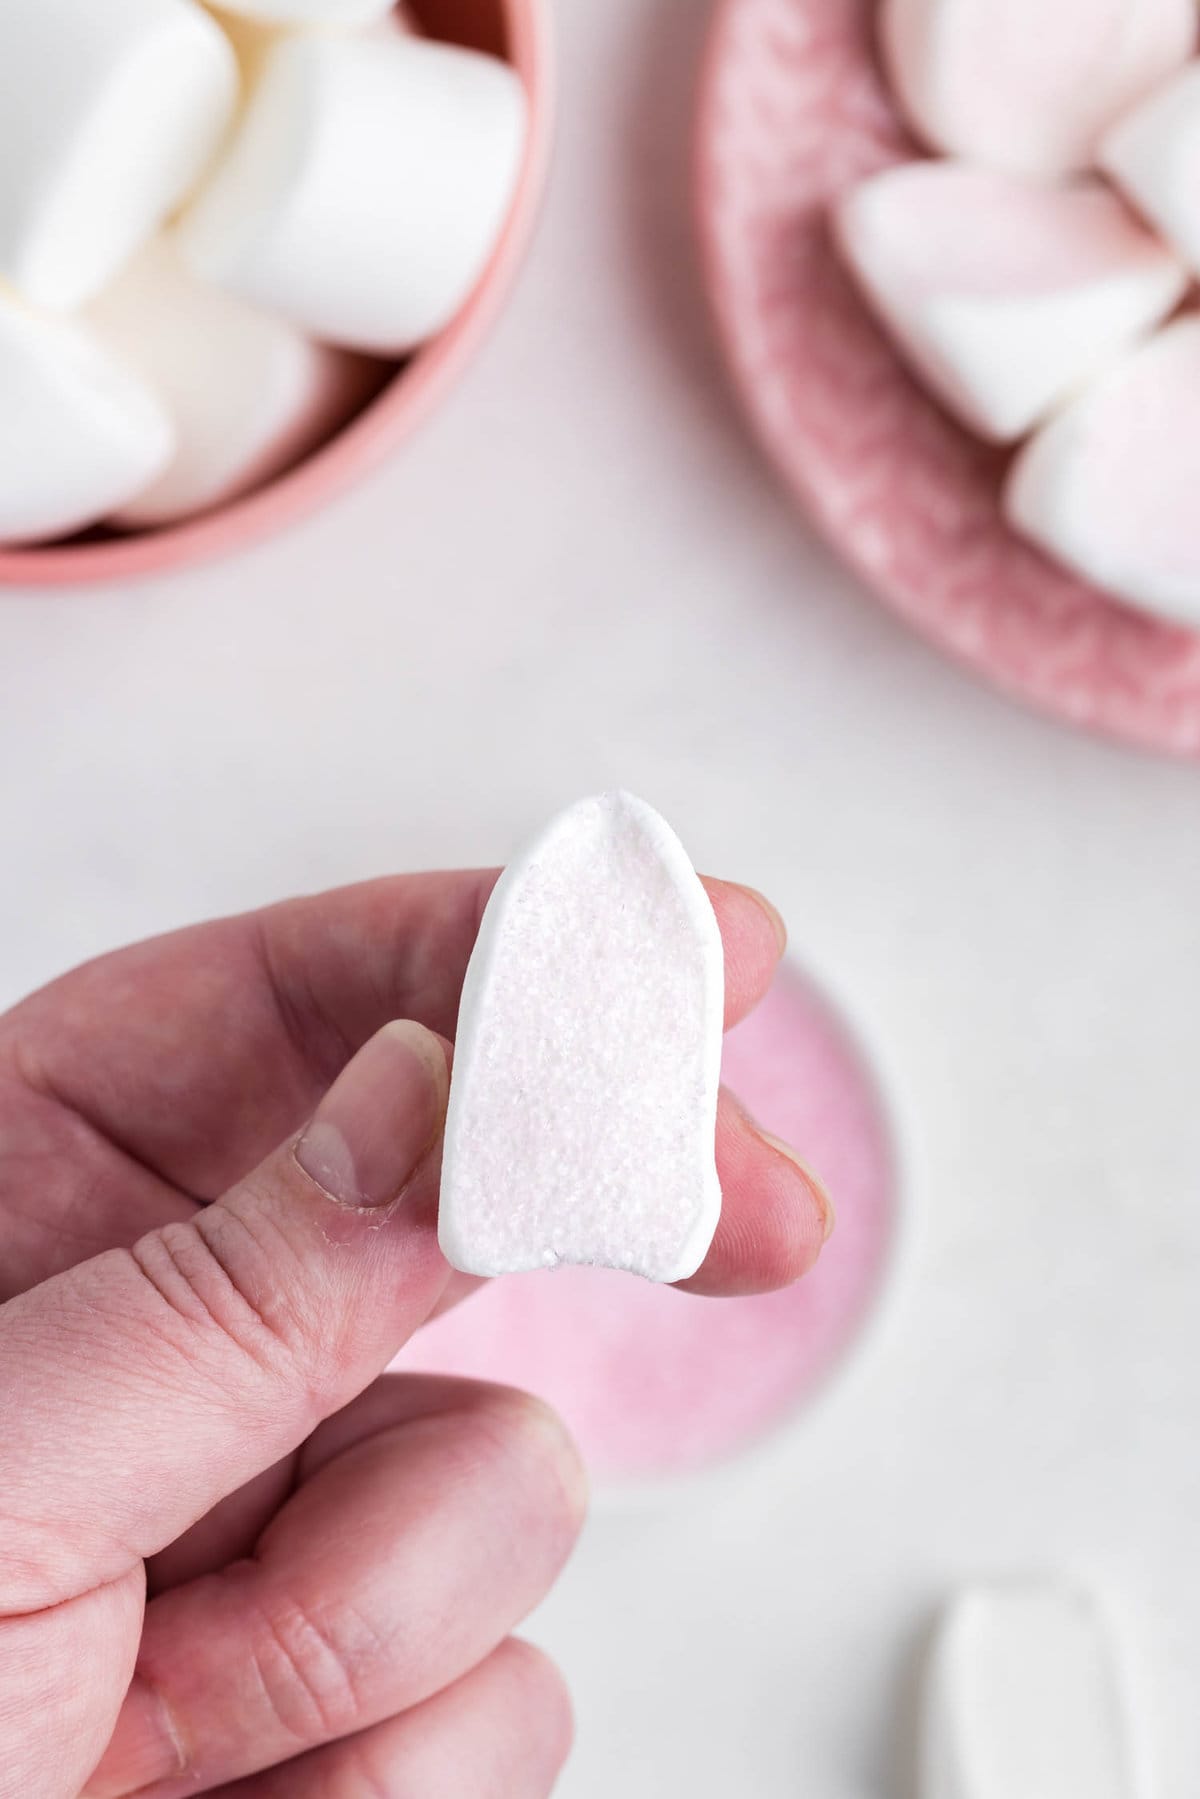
<point x="581" y="575"/>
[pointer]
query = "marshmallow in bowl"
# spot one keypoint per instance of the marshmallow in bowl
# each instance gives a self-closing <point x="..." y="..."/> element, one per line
<point x="1003" y="293"/>
<point x="80" y="434"/>
<point x="109" y="112"/>
<point x="1154" y="155"/>
<point x="365" y="189"/>
<point x="1109" y="486"/>
<point x="248" y="394"/>
<point x="1029" y="85"/>
<point x="309" y="12"/>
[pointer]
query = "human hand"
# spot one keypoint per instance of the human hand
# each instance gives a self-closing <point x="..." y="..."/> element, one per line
<point x="196" y="1325"/>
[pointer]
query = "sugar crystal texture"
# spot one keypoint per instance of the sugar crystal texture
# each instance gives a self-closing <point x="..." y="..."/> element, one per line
<point x="587" y="1064"/>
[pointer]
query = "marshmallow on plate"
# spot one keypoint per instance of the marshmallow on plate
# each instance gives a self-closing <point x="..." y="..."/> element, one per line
<point x="80" y="434"/>
<point x="309" y="12"/>
<point x="1154" y="154"/>
<point x="1004" y="293"/>
<point x="109" y="112"/>
<point x="1029" y="85"/>
<point x="1109" y="487"/>
<point x="583" y="1103"/>
<point x="248" y="394"/>
<point x="366" y="187"/>
<point x="1024" y="1699"/>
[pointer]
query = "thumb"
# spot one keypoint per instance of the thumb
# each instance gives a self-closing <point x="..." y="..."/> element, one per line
<point x="140" y="1388"/>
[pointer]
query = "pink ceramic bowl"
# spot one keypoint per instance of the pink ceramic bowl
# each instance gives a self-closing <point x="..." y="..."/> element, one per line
<point x="515" y="29"/>
<point x="793" y="109"/>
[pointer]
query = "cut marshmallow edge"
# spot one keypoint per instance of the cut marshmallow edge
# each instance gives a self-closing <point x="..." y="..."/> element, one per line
<point x="583" y="1103"/>
<point x="349" y="217"/>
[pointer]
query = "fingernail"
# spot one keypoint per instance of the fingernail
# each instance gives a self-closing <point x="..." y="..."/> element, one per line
<point x="144" y="1748"/>
<point x="379" y="1118"/>
<point x="775" y="916"/>
<point x="819" y="1189"/>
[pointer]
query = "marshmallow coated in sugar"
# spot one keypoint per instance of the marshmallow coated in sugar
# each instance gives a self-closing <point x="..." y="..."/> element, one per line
<point x="365" y="190"/>
<point x="80" y="434"/>
<point x="1109" y="487"/>
<point x="248" y="394"/>
<point x="583" y="1105"/>
<point x="1004" y="293"/>
<point x="109" y="112"/>
<point x="1029" y="85"/>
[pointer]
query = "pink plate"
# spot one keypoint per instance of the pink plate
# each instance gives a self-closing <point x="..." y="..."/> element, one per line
<point x="657" y="1384"/>
<point x="793" y="109"/>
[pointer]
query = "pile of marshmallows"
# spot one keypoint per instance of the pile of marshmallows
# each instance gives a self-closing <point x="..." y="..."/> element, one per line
<point x="209" y="222"/>
<point x="1029" y="295"/>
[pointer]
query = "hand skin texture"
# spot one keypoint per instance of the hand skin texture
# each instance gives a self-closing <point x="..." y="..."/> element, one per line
<point x="235" y="1556"/>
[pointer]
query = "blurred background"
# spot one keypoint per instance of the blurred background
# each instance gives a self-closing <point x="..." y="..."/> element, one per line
<point x="581" y="575"/>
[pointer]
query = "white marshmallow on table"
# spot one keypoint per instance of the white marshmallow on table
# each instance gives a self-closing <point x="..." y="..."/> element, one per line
<point x="1029" y="85"/>
<point x="80" y="434"/>
<point x="365" y="188"/>
<point x="109" y="112"/>
<point x="1023" y="1699"/>
<point x="1154" y="154"/>
<point x="587" y="1062"/>
<point x="1109" y="487"/>
<point x="1003" y="293"/>
<point x="247" y="393"/>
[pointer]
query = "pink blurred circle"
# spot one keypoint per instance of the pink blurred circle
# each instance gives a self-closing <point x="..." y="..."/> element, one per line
<point x="794" y="109"/>
<point x="654" y="1382"/>
<point x="516" y="29"/>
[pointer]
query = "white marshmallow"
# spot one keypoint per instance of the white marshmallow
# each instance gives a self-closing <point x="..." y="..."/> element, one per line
<point x="1024" y="1700"/>
<point x="309" y="12"/>
<point x="587" y="1063"/>
<point x="1004" y="293"/>
<point x="79" y="433"/>
<point x="1110" y="486"/>
<point x="1154" y="153"/>
<point x="1029" y="85"/>
<point x="248" y="394"/>
<point x="109" y="112"/>
<point x="366" y="187"/>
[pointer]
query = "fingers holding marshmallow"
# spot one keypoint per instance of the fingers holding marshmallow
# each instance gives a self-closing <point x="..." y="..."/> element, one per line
<point x="108" y="116"/>
<point x="366" y="187"/>
<point x="1029" y="85"/>
<point x="1004" y="293"/>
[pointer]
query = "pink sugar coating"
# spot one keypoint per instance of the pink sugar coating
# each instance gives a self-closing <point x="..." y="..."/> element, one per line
<point x="652" y="1381"/>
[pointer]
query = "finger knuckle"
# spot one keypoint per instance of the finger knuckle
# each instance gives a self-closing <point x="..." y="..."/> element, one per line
<point x="305" y="1664"/>
<point x="219" y="1285"/>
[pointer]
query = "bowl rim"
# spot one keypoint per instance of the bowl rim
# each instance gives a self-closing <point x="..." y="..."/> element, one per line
<point x="401" y="407"/>
<point x="1139" y="716"/>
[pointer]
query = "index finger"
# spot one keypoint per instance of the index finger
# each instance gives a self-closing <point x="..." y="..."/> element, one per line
<point x="198" y="1051"/>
